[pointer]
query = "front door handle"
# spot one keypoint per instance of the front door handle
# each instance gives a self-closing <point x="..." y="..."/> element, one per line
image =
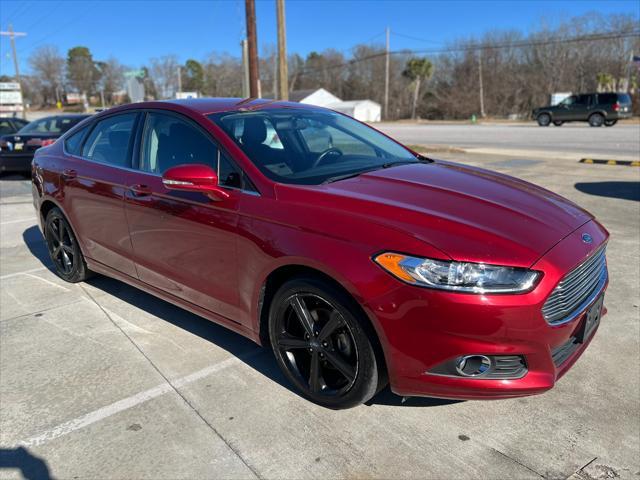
<point x="69" y="174"/>
<point x="139" y="190"/>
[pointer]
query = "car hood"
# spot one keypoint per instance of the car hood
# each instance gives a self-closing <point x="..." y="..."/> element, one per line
<point x="468" y="213"/>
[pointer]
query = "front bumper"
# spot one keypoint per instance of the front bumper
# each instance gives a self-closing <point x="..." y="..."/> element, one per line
<point x="424" y="329"/>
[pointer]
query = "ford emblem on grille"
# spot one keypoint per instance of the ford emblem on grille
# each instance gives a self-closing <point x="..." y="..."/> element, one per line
<point x="586" y="238"/>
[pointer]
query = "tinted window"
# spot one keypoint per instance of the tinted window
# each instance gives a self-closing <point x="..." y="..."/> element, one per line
<point x="312" y="146"/>
<point x="72" y="144"/>
<point x="607" y="98"/>
<point x="583" y="100"/>
<point x="169" y="141"/>
<point x="5" y="127"/>
<point x="229" y="175"/>
<point x="108" y="142"/>
<point x="52" y="125"/>
<point x="624" y="98"/>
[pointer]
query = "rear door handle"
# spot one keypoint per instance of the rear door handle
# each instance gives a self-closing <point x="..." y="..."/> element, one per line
<point x="139" y="190"/>
<point x="69" y="173"/>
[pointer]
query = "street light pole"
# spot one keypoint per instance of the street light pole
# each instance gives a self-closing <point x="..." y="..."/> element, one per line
<point x="386" y="80"/>
<point x="252" y="38"/>
<point x="12" y="36"/>
<point x="283" y="74"/>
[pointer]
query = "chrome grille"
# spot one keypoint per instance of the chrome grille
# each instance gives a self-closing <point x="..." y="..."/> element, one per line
<point x="576" y="289"/>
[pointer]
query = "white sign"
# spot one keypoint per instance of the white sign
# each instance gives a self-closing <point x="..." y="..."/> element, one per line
<point x="186" y="94"/>
<point x="8" y="97"/>
<point x="9" y="86"/>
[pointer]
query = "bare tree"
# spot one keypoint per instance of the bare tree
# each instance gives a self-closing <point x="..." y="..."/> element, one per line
<point x="48" y="68"/>
<point x="112" y="78"/>
<point x="164" y="72"/>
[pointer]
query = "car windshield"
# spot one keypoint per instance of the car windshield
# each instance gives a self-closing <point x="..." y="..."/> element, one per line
<point x="310" y="146"/>
<point x="49" y="125"/>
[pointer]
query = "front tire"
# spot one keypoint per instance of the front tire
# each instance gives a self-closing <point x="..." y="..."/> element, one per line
<point x="544" y="119"/>
<point x="320" y="344"/>
<point x="64" y="249"/>
<point x="596" y="120"/>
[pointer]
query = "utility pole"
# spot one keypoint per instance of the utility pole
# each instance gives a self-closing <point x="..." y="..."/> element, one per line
<point x="12" y="36"/>
<point x="482" y="114"/>
<point x="179" y="78"/>
<point x="245" y="69"/>
<point x="252" y="38"/>
<point x="386" y="80"/>
<point x="283" y="74"/>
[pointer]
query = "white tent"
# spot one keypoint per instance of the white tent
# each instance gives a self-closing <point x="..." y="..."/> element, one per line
<point x="363" y="110"/>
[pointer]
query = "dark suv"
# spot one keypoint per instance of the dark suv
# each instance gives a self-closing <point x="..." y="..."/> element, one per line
<point x="596" y="108"/>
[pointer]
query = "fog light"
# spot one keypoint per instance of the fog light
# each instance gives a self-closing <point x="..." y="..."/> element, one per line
<point x="473" y="365"/>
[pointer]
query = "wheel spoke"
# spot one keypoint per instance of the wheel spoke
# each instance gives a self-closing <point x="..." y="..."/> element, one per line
<point x="288" y="342"/>
<point x="66" y="261"/>
<point x="314" y="373"/>
<point x="54" y="232"/>
<point x="343" y="367"/>
<point x="56" y="251"/>
<point x="303" y="314"/>
<point x="334" y="322"/>
<point x="67" y="249"/>
<point x="61" y="230"/>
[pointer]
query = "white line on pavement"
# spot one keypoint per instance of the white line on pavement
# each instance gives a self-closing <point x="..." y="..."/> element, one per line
<point x="129" y="402"/>
<point x="20" y="220"/>
<point x="25" y="272"/>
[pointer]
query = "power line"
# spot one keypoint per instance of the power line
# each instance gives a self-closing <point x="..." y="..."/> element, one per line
<point x="410" y="37"/>
<point x="481" y="46"/>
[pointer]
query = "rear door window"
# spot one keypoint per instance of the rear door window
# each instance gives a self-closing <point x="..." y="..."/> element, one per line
<point x="109" y="140"/>
<point x="73" y="143"/>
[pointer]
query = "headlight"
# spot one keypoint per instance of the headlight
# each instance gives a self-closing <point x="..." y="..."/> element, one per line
<point x="457" y="276"/>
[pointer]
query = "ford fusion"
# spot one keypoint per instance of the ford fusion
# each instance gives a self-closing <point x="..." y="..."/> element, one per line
<point x="356" y="260"/>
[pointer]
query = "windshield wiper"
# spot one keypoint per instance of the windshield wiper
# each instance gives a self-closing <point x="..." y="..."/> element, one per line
<point x="348" y="175"/>
<point x="384" y="165"/>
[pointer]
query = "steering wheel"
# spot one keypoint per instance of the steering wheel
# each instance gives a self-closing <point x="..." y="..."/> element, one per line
<point x="325" y="154"/>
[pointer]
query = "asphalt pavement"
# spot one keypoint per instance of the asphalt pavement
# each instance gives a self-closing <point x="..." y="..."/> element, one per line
<point x="100" y="380"/>
<point x="571" y="141"/>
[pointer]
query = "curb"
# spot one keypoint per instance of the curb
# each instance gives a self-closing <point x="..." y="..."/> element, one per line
<point x="625" y="163"/>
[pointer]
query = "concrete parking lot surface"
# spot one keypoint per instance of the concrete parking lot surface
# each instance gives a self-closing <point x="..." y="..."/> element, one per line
<point x="571" y="141"/>
<point x="100" y="380"/>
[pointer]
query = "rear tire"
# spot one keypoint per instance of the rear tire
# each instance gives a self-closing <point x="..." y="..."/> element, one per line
<point x="596" y="120"/>
<point x="610" y="123"/>
<point x="64" y="249"/>
<point x="544" y="119"/>
<point x="320" y="344"/>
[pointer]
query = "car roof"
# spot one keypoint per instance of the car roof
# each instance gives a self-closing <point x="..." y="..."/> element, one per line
<point x="205" y="106"/>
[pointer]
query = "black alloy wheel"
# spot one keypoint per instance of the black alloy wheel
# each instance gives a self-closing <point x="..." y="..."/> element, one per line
<point x="596" y="120"/>
<point x="64" y="249"/>
<point x="544" y="119"/>
<point x="320" y="346"/>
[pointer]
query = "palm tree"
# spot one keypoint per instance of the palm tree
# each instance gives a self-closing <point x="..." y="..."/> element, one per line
<point x="417" y="70"/>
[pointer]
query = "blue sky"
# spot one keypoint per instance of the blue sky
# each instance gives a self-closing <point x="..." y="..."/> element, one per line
<point x="134" y="31"/>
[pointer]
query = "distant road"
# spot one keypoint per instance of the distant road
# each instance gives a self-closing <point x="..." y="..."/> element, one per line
<point x="618" y="142"/>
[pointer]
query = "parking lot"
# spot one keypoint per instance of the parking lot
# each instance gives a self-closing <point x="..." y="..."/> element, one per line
<point x="100" y="380"/>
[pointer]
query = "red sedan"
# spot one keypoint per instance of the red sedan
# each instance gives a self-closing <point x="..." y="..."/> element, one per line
<point x="355" y="259"/>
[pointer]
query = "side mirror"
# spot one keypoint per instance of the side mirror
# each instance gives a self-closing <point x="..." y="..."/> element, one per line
<point x="194" y="178"/>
